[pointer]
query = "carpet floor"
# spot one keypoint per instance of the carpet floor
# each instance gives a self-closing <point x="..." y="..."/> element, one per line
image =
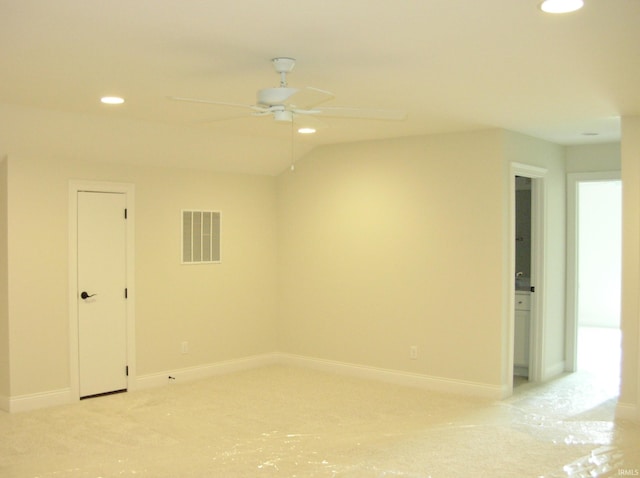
<point x="292" y="422"/>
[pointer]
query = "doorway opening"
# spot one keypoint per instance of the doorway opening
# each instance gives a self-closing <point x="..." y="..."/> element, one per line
<point x="527" y="232"/>
<point x="523" y="283"/>
<point x="596" y="289"/>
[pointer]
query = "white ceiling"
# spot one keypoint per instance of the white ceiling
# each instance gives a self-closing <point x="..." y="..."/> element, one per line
<point x="452" y="65"/>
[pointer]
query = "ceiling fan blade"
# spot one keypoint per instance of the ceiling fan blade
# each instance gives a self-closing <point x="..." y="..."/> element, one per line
<point x="220" y="103"/>
<point x="308" y="97"/>
<point x="298" y="111"/>
<point x="362" y="113"/>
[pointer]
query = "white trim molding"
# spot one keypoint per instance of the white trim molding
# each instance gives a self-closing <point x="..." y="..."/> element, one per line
<point x="5" y="403"/>
<point x="554" y="370"/>
<point x="397" y="377"/>
<point x="166" y="378"/>
<point x="627" y="411"/>
<point x="34" y="401"/>
<point x="159" y="379"/>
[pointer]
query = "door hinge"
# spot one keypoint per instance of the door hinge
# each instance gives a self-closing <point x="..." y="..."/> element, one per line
<point x="126" y="293"/>
<point x="532" y="289"/>
<point x="125" y="212"/>
<point x="126" y="370"/>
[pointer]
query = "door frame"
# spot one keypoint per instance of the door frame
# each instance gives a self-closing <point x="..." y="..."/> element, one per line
<point x="76" y="186"/>
<point x="571" y="340"/>
<point x="538" y="218"/>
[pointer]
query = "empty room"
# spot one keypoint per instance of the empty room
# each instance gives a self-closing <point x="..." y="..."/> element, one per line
<point x="315" y="238"/>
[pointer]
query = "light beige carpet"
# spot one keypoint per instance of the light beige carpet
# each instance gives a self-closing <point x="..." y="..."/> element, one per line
<point x="291" y="422"/>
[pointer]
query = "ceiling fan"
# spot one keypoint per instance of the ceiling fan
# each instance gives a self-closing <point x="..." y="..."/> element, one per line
<point x="284" y="103"/>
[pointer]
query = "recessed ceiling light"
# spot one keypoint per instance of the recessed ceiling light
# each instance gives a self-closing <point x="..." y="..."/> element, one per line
<point x="112" y="100"/>
<point x="561" y="6"/>
<point x="306" y="130"/>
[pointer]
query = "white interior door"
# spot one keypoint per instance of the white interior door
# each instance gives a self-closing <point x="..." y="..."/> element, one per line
<point x="102" y="311"/>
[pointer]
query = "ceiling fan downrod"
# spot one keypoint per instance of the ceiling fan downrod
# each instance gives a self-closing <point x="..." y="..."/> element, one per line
<point x="283" y="66"/>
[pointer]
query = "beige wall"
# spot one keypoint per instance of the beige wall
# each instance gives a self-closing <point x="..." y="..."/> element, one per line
<point x="592" y="158"/>
<point x="366" y="249"/>
<point x="224" y="310"/>
<point x="630" y="262"/>
<point x="4" y="311"/>
<point x="384" y="245"/>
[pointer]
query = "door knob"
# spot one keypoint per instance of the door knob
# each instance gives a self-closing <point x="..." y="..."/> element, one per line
<point x="84" y="295"/>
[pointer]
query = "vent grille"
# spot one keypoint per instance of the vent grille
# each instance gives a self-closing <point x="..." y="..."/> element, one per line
<point x="200" y="237"/>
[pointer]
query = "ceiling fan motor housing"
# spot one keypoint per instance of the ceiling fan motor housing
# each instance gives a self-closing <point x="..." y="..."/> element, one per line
<point x="274" y="96"/>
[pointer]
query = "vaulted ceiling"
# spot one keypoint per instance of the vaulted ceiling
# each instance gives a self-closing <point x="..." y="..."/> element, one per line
<point x="452" y="65"/>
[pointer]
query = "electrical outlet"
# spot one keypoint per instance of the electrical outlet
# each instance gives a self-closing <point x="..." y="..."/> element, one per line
<point x="413" y="352"/>
<point x="184" y="347"/>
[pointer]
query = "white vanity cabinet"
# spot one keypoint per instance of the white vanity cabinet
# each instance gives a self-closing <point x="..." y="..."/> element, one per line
<point x="522" y="332"/>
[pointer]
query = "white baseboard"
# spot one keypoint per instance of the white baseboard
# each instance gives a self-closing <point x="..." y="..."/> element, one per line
<point x="204" y="371"/>
<point x="33" y="401"/>
<point x="23" y="403"/>
<point x="427" y="382"/>
<point x="627" y="411"/>
<point x="553" y="370"/>
<point x="4" y="403"/>
<point x="397" y="377"/>
<point x="506" y="391"/>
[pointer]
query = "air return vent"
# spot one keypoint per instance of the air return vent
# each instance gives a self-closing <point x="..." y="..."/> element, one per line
<point x="200" y="237"/>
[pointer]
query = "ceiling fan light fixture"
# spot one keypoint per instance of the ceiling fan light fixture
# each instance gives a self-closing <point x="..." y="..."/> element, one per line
<point x="283" y="115"/>
<point x="561" y="6"/>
